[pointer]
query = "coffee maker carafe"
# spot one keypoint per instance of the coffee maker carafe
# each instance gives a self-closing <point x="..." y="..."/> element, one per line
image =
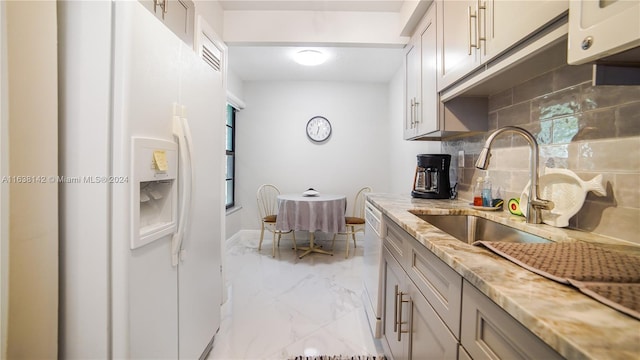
<point x="431" y="180"/>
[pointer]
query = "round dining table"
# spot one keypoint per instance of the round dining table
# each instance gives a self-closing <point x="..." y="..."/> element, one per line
<point x="322" y="212"/>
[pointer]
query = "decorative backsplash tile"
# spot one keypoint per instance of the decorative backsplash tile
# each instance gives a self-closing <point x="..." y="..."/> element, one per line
<point x="590" y="130"/>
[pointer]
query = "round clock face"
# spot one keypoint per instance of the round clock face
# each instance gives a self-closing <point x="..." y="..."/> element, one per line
<point x="318" y="129"/>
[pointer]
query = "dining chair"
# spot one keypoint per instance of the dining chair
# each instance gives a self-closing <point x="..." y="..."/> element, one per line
<point x="267" y="196"/>
<point x="354" y="223"/>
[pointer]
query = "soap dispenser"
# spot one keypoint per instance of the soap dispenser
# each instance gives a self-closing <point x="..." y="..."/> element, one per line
<point x="477" y="191"/>
<point x="486" y="192"/>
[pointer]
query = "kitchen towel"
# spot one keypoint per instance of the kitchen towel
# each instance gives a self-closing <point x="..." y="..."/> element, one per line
<point x="340" y="357"/>
<point x="605" y="273"/>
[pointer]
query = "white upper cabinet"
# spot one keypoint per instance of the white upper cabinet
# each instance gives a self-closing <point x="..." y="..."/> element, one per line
<point x="421" y="93"/>
<point x="598" y="28"/>
<point x="177" y="15"/>
<point x="428" y="119"/>
<point x="474" y="32"/>
<point x="504" y="23"/>
<point x="413" y="96"/>
<point x="457" y="55"/>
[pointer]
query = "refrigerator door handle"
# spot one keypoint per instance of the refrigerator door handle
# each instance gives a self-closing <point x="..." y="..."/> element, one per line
<point x="190" y="171"/>
<point x="182" y="132"/>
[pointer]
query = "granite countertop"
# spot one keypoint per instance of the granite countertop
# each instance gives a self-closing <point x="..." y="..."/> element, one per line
<point x="575" y="325"/>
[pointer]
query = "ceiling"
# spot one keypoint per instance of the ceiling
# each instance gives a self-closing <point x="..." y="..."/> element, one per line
<point x="272" y="62"/>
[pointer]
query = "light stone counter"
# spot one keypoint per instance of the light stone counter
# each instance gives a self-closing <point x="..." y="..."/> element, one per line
<point x="575" y="325"/>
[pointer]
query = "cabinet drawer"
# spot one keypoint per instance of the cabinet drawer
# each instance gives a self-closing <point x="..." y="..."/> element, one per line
<point x="488" y="332"/>
<point x="396" y="240"/>
<point x="439" y="283"/>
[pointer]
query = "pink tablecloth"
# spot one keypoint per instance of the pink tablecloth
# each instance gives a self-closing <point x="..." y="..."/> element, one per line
<point x="311" y="213"/>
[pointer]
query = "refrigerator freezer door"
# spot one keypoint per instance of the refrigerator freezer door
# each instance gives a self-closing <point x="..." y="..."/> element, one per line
<point x="199" y="278"/>
<point x="145" y="86"/>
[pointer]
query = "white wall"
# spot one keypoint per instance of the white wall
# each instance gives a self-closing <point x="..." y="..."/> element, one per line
<point x="366" y="147"/>
<point x="272" y="146"/>
<point x="328" y="27"/>
<point x="235" y="86"/>
<point x="402" y="153"/>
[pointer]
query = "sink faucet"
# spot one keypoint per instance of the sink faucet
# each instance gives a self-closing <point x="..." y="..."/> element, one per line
<point x="536" y="204"/>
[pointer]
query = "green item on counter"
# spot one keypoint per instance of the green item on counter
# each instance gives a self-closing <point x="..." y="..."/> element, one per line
<point x="514" y="207"/>
<point x="497" y="203"/>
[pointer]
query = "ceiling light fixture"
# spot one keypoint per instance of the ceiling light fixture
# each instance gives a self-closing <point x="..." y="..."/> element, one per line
<point x="309" y="57"/>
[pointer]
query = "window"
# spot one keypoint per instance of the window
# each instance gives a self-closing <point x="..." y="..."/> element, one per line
<point x="230" y="178"/>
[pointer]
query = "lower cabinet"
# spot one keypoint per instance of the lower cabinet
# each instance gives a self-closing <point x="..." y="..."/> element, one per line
<point x="429" y="337"/>
<point x="488" y="332"/>
<point x="430" y="312"/>
<point x="412" y="329"/>
<point x="396" y="345"/>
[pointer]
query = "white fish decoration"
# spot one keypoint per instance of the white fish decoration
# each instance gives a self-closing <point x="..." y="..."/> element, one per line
<point x="566" y="190"/>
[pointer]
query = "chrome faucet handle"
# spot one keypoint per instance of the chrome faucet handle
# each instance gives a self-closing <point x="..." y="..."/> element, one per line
<point x="543" y="204"/>
<point x="535" y="207"/>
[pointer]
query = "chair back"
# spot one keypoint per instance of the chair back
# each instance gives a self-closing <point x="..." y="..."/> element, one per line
<point x="267" y="200"/>
<point x="358" y="205"/>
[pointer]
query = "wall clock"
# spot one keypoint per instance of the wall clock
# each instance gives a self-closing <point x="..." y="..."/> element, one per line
<point x="318" y="129"/>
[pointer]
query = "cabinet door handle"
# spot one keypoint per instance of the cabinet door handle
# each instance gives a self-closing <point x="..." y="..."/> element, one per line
<point x="415" y="108"/>
<point x="395" y="309"/>
<point x="164" y="5"/>
<point x="410" y="326"/>
<point x="412" y="111"/>
<point x="400" y="322"/>
<point x="483" y="7"/>
<point x="471" y="16"/>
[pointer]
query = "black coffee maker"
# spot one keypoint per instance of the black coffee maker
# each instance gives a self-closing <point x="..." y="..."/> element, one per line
<point x="431" y="180"/>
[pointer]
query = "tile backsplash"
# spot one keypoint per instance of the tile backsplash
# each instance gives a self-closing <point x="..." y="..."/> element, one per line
<point x="590" y="130"/>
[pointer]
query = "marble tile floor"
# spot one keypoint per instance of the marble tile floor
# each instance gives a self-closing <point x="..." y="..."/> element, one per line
<point x="278" y="308"/>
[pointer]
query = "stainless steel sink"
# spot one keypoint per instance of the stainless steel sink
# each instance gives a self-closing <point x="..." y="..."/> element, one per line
<point x="468" y="228"/>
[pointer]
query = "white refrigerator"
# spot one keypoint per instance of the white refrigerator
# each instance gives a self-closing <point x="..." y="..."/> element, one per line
<point x="141" y="187"/>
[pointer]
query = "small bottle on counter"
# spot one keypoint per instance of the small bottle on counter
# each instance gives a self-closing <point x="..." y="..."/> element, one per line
<point x="486" y="192"/>
<point x="477" y="192"/>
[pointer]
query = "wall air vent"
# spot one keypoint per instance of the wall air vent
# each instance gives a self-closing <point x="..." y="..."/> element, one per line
<point x="211" y="55"/>
<point x="210" y="47"/>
